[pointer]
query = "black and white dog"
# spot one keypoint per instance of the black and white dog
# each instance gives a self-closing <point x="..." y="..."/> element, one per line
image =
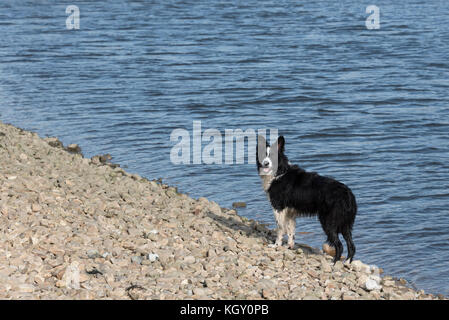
<point x="294" y="192"/>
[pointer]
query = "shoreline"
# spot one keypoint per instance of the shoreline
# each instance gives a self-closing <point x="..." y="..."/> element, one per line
<point x="79" y="228"/>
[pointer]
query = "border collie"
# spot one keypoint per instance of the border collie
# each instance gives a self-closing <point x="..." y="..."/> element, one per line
<point x="294" y="192"/>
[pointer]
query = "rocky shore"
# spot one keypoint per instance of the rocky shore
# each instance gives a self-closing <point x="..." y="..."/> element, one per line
<point x="78" y="228"/>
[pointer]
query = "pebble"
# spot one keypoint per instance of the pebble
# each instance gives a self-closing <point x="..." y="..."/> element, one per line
<point x="73" y="148"/>
<point x="338" y="266"/>
<point x="54" y="142"/>
<point x="136" y="259"/>
<point x="357" y="265"/>
<point x="310" y="297"/>
<point x="408" y="296"/>
<point x="347" y="296"/>
<point x="4" y="210"/>
<point x="189" y="259"/>
<point x="153" y="257"/>
<point x="325" y="266"/>
<point x="92" y="254"/>
<point x="25" y="288"/>
<point x="388" y="283"/>
<point x="371" y="284"/>
<point x="268" y="294"/>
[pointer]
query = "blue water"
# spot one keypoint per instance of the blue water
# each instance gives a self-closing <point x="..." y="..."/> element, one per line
<point x="368" y="107"/>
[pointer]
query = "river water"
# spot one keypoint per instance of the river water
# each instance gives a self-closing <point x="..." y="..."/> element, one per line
<point x="368" y="107"/>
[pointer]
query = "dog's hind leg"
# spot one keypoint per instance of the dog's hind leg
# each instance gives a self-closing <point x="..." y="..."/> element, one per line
<point x="347" y="235"/>
<point x="336" y="243"/>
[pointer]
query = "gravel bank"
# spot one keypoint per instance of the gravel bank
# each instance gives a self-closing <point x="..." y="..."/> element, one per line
<point x="78" y="228"/>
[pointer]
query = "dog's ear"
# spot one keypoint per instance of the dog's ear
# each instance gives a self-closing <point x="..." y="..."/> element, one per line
<point x="281" y="143"/>
<point x="261" y="141"/>
<point x="261" y="147"/>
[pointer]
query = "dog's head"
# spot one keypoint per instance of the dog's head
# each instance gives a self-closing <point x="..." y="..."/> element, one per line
<point x="271" y="159"/>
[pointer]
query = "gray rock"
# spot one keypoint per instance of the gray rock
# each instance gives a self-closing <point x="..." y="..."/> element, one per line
<point x="357" y="265"/>
<point x="54" y="142"/>
<point x="325" y="265"/>
<point x="189" y="259"/>
<point x="153" y="257"/>
<point x="92" y="254"/>
<point x="371" y="284"/>
<point x="74" y="148"/>
<point x="338" y="266"/>
<point x="136" y="259"/>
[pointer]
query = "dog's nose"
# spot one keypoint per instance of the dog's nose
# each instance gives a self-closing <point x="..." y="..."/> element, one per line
<point x="265" y="163"/>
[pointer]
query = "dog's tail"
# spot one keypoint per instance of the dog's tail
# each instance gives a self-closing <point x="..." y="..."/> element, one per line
<point x="351" y="206"/>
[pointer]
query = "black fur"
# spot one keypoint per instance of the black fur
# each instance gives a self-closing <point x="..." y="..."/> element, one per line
<point x="311" y="194"/>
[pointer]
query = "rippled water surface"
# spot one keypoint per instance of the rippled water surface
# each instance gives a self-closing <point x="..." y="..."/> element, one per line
<point x="368" y="107"/>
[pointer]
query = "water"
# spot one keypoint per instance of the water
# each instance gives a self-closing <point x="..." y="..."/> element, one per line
<point x="368" y="107"/>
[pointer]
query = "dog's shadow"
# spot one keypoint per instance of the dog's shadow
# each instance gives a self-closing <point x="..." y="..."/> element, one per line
<point x="255" y="229"/>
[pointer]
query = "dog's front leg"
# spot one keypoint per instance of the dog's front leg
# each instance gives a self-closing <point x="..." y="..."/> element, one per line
<point x="290" y="226"/>
<point x="280" y="221"/>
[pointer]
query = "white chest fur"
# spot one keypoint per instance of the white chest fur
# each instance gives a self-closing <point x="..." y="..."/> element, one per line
<point x="266" y="181"/>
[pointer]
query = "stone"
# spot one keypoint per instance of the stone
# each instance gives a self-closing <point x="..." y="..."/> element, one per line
<point x="38" y="279"/>
<point x="189" y="259"/>
<point x="311" y="297"/>
<point x="338" y="266"/>
<point x="348" y="296"/>
<point x="312" y="273"/>
<point x="201" y="292"/>
<point x="289" y="255"/>
<point x="371" y="284"/>
<point x="153" y="257"/>
<point x="268" y="294"/>
<point x="325" y="266"/>
<point x="92" y="254"/>
<point x="357" y="265"/>
<point x="388" y="283"/>
<point x="25" y="288"/>
<point x="54" y="142"/>
<point x="408" y="296"/>
<point x="136" y="259"/>
<point x="362" y="280"/>
<point x="4" y="210"/>
<point x="74" y="148"/>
